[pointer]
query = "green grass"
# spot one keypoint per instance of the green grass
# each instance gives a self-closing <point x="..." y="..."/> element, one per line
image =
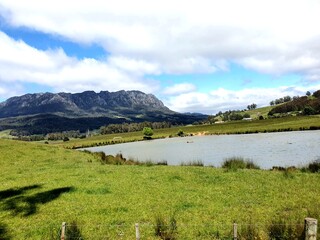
<point x="255" y="113"/>
<point x="5" y="134"/>
<point x="43" y="186"/>
<point x="235" y="127"/>
<point x="235" y="163"/>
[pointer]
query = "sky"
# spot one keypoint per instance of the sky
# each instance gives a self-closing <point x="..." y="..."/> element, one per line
<point x="200" y="56"/>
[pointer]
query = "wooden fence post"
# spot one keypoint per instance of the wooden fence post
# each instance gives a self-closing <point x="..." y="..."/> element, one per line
<point x="63" y="231"/>
<point x="137" y="231"/>
<point x="310" y="225"/>
<point x="235" y="231"/>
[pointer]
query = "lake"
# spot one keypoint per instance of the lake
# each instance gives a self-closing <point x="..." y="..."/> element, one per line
<point x="265" y="149"/>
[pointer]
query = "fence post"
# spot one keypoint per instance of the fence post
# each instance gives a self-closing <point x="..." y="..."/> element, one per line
<point x="63" y="231"/>
<point x="137" y="231"/>
<point x="310" y="225"/>
<point x="235" y="231"/>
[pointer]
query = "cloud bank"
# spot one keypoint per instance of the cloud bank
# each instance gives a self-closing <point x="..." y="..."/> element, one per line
<point x="146" y="38"/>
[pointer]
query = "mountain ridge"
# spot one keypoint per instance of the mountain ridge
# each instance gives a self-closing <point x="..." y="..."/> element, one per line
<point x="44" y="112"/>
<point x="87" y="103"/>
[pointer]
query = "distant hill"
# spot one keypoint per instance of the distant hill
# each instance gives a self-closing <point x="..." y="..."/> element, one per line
<point x="303" y="105"/>
<point x="50" y="112"/>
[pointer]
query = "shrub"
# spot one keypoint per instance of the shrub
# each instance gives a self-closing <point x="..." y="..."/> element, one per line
<point x="180" y="133"/>
<point x="196" y="163"/>
<point x="281" y="230"/>
<point x="249" y="231"/>
<point x="314" y="167"/>
<point x="308" y="110"/>
<point x="236" y="163"/>
<point x="164" y="229"/>
<point x="163" y="162"/>
<point x="147" y="132"/>
<point x="73" y="231"/>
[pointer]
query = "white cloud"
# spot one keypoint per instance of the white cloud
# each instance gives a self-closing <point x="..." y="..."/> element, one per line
<point x="186" y="36"/>
<point x="139" y="67"/>
<point x="179" y="89"/>
<point x="224" y="99"/>
<point x="21" y="63"/>
<point x="145" y="37"/>
<point x="6" y="92"/>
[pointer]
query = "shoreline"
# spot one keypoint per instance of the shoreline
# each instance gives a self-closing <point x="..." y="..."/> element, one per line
<point x="121" y="140"/>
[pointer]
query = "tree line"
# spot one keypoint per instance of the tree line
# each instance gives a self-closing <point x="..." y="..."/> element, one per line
<point x="132" y="127"/>
<point x="286" y="99"/>
<point x="52" y="136"/>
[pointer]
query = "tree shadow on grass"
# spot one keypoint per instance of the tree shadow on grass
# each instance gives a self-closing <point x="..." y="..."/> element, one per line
<point x="11" y="192"/>
<point x="28" y="205"/>
<point x="4" y="235"/>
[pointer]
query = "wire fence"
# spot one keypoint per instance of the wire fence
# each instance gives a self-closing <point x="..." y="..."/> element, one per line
<point x="169" y="230"/>
<point x="306" y="231"/>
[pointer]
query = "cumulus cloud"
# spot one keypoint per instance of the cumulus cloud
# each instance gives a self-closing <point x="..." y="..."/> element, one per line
<point x="22" y="63"/>
<point x="177" y="89"/>
<point x="224" y="99"/>
<point x="12" y="90"/>
<point x="145" y="38"/>
<point x="186" y="36"/>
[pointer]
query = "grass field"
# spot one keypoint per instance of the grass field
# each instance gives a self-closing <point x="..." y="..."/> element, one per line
<point x="43" y="186"/>
<point x="234" y="127"/>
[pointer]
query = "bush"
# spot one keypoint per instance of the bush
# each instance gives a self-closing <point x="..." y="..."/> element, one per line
<point x="281" y="230"/>
<point x="309" y="111"/>
<point x="73" y="231"/>
<point x="147" y="132"/>
<point x="236" y="163"/>
<point x="166" y="230"/>
<point x="180" y="133"/>
<point x="65" y="139"/>
<point x="197" y="163"/>
<point x="314" y="167"/>
<point x="249" y="231"/>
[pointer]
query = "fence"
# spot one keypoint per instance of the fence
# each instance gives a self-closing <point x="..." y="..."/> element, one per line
<point x="71" y="231"/>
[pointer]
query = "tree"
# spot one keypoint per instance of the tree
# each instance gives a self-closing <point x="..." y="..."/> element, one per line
<point x="316" y="94"/>
<point x="252" y="106"/>
<point x="180" y="133"/>
<point x="246" y="115"/>
<point x="147" y="132"/>
<point x="235" y="116"/>
<point x="308" y="110"/>
<point x="308" y="93"/>
<point x="272" y="103"/>
<point x="287" y="99"/>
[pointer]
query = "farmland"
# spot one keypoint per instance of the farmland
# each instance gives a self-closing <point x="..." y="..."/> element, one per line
<point x="45" y="185"/>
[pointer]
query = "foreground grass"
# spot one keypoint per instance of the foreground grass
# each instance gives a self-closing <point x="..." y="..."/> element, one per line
<point x="43" y="186"/>
<point x="235" y="127"/>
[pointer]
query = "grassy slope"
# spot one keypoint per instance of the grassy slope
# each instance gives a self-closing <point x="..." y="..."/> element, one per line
<point x="267" y="125"/>
<point x="5" y="134"/>
<point x="106" y="201"/>
<point x="255" y="113"/>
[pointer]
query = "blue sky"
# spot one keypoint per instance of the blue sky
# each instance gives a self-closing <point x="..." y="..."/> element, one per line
<point x="206" y="56"/>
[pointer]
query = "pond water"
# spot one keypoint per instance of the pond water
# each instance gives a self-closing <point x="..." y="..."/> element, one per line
<point x="265" y="149"/>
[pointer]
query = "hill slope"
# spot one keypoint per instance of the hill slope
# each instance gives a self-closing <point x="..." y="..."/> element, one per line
<point x="83" y="104"/>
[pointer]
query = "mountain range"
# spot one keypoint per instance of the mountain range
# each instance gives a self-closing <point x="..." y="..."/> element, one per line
<point x="42" y="113"/>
